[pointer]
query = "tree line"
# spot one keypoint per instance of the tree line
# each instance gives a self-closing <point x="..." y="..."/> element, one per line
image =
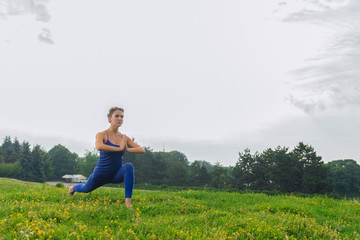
<point x="282" y="170"/>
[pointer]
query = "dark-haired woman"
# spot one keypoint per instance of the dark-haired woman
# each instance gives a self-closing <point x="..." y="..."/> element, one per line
<point x="110" y="169"/>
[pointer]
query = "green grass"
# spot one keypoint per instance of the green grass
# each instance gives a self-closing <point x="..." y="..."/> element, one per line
<point x="38" y="211"/>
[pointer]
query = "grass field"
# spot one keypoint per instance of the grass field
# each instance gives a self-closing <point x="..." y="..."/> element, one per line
<point x="39" y="211"/>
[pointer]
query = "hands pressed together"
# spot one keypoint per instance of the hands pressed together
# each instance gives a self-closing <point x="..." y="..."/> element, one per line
<point x="128" y="145"/>
<point x="123" y="142"/>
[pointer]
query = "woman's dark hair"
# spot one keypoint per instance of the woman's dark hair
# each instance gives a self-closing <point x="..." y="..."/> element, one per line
<point x="113" y="109"/>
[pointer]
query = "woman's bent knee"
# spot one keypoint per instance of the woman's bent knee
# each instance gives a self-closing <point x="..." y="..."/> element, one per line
<point x="129" y="167"/>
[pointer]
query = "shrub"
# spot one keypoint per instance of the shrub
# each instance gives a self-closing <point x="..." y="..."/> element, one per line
<point x="10" y="170"/>
<point x="60" y="185"/>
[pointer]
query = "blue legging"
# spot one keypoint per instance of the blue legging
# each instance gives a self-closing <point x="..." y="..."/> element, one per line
<point x="124" y="174"/>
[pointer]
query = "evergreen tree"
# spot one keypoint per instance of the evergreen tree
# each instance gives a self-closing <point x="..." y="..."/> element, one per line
<point x="313" y="170"/>
<point x="16" y="146"/>
<point x="2" y="158"/>
<point x="10" y="158"/>
<point x="284" y="170"/>
<point x="260" y="174"/>
<point x="16" y="150"/>
<point x="38" y="166"/>
<point x="26" y="162"/>
<point x="243" y="170"/>
<point x="7" y="143"/>
<point x="11" y="151"/>
<point x="48" y="168"/>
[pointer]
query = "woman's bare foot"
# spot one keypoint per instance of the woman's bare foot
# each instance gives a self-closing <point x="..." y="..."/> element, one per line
<point x="71" y="191"/>
<point x="128" y="203"/>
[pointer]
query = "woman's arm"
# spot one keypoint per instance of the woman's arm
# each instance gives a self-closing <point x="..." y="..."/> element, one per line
<point x="100" y="146"/>
<point x="133" y="147"/>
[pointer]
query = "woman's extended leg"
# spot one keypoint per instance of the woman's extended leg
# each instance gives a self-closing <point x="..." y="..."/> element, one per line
<point x="89" y="186"/>
<point x="126" y="174"/>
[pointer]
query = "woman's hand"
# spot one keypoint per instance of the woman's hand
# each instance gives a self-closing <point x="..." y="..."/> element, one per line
<point x="123" y="142"/>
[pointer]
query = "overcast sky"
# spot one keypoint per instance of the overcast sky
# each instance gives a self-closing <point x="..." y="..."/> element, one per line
<point x="206" y="78"/>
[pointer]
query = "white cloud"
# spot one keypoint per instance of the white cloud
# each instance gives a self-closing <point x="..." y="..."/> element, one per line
<point x="23" y="7"/>
<point x="330" y="79"/>
<point x="17" y="8"/>
<point x="298" y="10"/>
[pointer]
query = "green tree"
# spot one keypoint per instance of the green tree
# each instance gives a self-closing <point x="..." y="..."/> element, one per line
<point x="198" y="175"/>
<point x="12" y="156"/>
<point x="63" y="161"/>
<point x="209" y="167"/>
<point x="48" y="168"/>
<point x="11" y="151"/>
<point x="10" y="170"/>
<point x="26" y="162"/>
<point x="129" y="157"/>
<point x="159" y="167"/>
<point x="149" y="167"/>
<point x="344" y="176"/>
<point x="252" y="171"/>
<point x="260" y="174"/>
<point x="243" y="170"/>
<point x="180" y="157"/>
<point x="38" y="165"/>
<point x="175" y="173"/>
<point x="15" y="156"/>
<point x="88" y="162"/>
<point x="2" y="158"/>
<point x="16" y="146"/>
<point x="7" y="143"/>
<point x="219" y="176"/>
<point x="313" y="170"/>
<point x="283" y="170"/>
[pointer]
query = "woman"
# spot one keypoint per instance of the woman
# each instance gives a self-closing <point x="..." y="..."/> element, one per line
<point x="110" y="169"/>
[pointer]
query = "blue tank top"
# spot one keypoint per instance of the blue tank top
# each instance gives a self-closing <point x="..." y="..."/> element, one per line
<point x="109" y="162"/>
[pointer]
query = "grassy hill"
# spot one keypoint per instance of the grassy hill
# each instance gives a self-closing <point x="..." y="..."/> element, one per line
<point x="39" y="211"/>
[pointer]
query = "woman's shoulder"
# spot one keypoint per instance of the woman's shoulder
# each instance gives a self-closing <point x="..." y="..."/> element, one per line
<point x="101" y="134"/>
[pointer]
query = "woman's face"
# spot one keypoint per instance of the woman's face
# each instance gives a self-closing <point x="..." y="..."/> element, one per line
<point x="117" y="118"/>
